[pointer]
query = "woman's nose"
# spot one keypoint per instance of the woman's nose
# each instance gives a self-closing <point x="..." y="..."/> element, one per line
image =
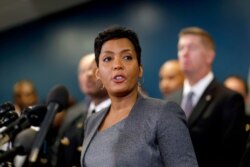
<point x="117" y="64"/>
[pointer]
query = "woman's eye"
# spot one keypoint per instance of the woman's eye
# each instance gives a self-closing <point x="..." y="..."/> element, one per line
<point x="128" y="57"/>
<point x="107" y="59"/>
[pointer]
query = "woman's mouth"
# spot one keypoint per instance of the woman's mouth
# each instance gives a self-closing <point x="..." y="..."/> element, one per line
<point x="118" y="78"/>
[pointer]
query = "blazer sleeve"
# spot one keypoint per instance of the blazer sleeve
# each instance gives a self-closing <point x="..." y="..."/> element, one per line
<point x="173" y="136"/>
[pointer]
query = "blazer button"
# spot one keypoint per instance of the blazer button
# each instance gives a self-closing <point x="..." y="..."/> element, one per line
<point x="247" y="127"/>
<point x="65" y="141"/>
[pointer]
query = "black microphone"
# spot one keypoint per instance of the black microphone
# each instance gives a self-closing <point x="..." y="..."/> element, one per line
<point x="7" y="118"/>
<point x="21" y="146"/>
<point x="5" y="107"/>
<point x="33" y="115"/>
<point x="57" y="100"/>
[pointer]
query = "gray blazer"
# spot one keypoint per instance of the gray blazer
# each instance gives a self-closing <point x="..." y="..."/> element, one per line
<point x="155" y="134"/>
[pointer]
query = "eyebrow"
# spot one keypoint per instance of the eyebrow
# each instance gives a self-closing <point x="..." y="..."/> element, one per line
<point x="124" y="50"/>
<point x="106" y="52"/>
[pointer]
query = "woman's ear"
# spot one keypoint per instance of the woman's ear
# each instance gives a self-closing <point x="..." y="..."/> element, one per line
<point x="140" y="71"/>
<point x="97" y="74"/>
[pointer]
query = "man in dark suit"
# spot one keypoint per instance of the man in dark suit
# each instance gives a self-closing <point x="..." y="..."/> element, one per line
<point x="238" y="84"/>
<point x="67" y="148"/>
<point x="245" y="161"/>
<point x="215" y="114"/>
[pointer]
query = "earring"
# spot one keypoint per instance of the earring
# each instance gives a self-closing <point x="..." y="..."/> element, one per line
<point x="140" y="81"/>
<point x="99" y="84"/>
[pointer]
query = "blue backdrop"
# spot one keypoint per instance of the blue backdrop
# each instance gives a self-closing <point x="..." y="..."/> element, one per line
<point x="47" y="51"/>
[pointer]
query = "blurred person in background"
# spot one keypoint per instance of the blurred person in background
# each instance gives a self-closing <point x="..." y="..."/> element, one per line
<point x="67" y="148"/>
<point x="24" y="94"/>
<point x="171" y="77"/>
<point x="238" y="84"/>
<point x="215" y="114"/>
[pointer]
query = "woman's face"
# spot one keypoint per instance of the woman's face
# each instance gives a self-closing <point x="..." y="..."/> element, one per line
<point x="118" y="67"/>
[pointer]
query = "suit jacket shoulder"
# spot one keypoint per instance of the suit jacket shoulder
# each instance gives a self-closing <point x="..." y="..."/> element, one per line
<point x="73" y="113"/>
<point x="216" y="125"/>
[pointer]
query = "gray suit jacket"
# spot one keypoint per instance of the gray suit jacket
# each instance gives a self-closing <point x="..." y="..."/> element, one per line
<point x="155" y="134"/>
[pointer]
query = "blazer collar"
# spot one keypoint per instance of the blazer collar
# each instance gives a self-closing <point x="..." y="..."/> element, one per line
<point x="98" y="120"/>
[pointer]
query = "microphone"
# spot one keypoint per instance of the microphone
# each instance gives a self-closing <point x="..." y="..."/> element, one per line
<point x="57" y="100"/>
<point x="21" y="146"/>
<point x="31" y="116"/>
<point x="7" y="118"/>
<point x="5" y="107"/>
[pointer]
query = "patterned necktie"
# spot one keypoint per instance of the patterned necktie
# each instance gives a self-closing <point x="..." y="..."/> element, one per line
<point x="189" y="104"/>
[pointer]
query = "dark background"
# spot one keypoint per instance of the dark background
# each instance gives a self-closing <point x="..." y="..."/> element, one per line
<point x="47" y="50"/>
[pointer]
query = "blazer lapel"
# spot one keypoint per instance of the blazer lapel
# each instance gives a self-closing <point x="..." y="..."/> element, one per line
<point x="204" y="101"/>
<point x="97" y="122"/>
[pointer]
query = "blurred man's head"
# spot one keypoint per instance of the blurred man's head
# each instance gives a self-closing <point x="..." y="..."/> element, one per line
<point x="196" y="53"/>
<point x="237" y="84"/>
<point x="88" y="83"/>
<point x="25" y="94"/>
<point x="171" y="77"/>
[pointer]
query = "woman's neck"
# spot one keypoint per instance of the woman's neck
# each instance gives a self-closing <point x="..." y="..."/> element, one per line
<point x="125" y="103"/>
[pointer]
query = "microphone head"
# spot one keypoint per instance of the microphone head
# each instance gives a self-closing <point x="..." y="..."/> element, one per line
<point x="35" y="114"/>
<point x="24" y="139"/>
<point x="5" y="107"/>
<point x="59" y="94"/>
<point x="8" y="117"/>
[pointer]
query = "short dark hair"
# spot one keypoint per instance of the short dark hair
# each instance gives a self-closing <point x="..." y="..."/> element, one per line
<point x="116" y="32"/>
